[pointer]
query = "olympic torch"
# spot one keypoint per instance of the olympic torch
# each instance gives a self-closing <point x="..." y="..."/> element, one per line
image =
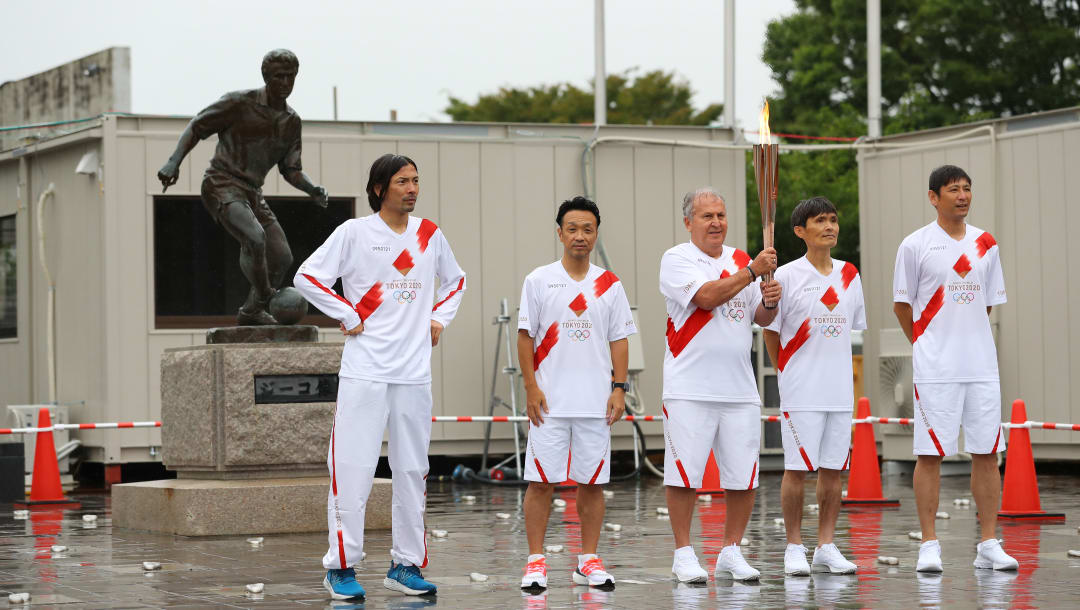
<point x="766" y="174"/>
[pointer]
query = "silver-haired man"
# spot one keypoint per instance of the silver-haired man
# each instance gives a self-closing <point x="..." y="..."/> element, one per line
<point x="711" y="402"/>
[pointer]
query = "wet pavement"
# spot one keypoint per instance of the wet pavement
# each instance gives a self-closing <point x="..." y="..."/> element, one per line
<point x="102" y="566"/>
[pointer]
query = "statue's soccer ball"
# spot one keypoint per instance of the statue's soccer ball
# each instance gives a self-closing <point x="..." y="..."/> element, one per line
<point x="288" y="306"/>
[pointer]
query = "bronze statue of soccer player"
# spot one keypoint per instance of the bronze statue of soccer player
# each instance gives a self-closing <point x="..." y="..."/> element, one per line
<point x="256" y="130"/>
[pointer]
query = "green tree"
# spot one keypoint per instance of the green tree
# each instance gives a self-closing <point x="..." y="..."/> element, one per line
<point x="652" y="98"/>
<point x="943" y="63"/>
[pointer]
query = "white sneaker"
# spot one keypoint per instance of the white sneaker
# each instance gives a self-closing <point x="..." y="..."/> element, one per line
<point x="591" y="572"/>
<point x="730" y="564"/>
<point x="795" y="560"/>
<point x="535" y="574"/>
<point x="686" y="568"/>
<point x="929" y="557"/>
<point x="827" y="558"/>
<point x="991" y="555"/>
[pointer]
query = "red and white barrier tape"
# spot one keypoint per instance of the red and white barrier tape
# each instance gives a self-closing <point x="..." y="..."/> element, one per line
<point x="904" y="421"/>
<point x="122" y="424"/>
<point x="1043" y="425"/>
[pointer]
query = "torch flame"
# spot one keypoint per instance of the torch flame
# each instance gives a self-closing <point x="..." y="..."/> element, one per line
<point x="764" y="135"/>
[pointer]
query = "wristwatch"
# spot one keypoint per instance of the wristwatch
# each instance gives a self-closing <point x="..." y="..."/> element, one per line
<point x="621" y="385"/>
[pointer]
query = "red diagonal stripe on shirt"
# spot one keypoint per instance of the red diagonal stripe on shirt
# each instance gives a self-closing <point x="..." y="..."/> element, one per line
<point x="962" y="266"/>
<point x="551" y="337"/>
<point x="741" y="258"/>
<point x="829" y="299"/>
<point x="677" y="339"/>
<point x="328" y="291"/>
<point x="370" y="301"/>
<point x="800" y="338"/>
<point x="928" y="313"/>
<point x="424" y="233"/>
<point x="460" y="285"/>
<point x="984" y="243"/>
<point x="847" y="274"/>
<point x="604" y="282"/>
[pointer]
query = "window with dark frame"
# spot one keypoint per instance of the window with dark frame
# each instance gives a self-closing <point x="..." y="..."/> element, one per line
<point x="9" y="296"/>
<point x="197" y="278"/>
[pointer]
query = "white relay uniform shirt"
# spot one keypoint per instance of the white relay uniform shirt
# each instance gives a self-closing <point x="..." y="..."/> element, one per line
<point x="572" y="324"/>
<point x="816" y="317"/>
<point x="389" y="283"/>
<point x="949" y="285"/>
<point x="707" y="356"/>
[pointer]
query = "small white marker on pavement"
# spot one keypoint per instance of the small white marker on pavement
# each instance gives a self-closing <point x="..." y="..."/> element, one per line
<point x="89" y="518"/>
<point x="502" y="515"/>
<point x="19" y="598"/>
<point x="915" y="535"/>
<point x="151" y="566"/>
<point x="438" y="533"/>
<point x="942" y="515"/>
<point x="255" y="587"/>
<point x="559" y="502"/>
<point x="892" y="561"/>
<point x="554" y="548"/>
<point x="612" y="527"/>
<point x="478" y="577"/>
<point x="660" y="510"/>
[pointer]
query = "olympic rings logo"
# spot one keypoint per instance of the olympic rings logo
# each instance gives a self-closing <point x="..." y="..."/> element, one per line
<point x="404" y="296"/>
<point x="831" y="331"/>
<point x="735" y="315"/>
<point x="963" y="298"/>
<point x="577" y="335"/>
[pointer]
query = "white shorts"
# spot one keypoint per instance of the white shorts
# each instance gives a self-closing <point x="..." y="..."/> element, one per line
<point x="940" y="410"/>
<point x="816" y="439"/>
<point x="693" y="428"/>
<point x="575" y="448"/>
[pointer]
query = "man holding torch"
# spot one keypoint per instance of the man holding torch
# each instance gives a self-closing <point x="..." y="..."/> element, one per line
<point x="711" y="402"/>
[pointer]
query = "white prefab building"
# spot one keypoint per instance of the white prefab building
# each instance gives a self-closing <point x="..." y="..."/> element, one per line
<point x="135" y="272"/>
<point x="1027" y="194"/>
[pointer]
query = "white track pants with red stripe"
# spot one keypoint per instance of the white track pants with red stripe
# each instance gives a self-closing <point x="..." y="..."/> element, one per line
<point x="364" y="408"/>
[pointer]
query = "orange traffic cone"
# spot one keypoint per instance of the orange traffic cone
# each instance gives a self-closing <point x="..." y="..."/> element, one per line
<point x="1020" y="494"/>
<point x="710" y="481"/>
<point x="864" y="479"/>
<point x="45" y="487"/>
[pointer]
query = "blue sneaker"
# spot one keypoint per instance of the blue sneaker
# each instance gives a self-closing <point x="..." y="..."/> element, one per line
<point x="408" y="580"/>
<point x="342" y="584"/>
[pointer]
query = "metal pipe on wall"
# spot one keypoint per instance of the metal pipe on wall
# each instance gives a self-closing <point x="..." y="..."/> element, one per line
<point x="50" y="312"/>
<point x="873" y="68"/>
<point x="600" y="97"/>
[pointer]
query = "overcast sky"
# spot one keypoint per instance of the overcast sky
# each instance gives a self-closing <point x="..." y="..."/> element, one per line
<point x="384" y="55"/>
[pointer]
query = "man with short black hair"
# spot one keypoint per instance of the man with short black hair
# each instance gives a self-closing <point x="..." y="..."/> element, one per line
<point x="392" y="314"/>
<point x="711" y="401"/>
<point x="809" y="342"/>
<point x="948" y="273"/>
<point x="573" y="326"/>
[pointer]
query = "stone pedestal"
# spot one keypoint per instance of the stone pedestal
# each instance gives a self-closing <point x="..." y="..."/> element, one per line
<point x="246" y="427"/>
<point x="213" y="427"/>
<point x="194" y="507"/>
